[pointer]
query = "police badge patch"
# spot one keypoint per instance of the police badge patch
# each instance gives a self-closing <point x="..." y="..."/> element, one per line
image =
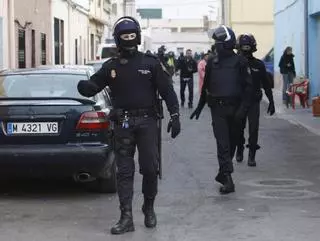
<point x="113" y="74"/>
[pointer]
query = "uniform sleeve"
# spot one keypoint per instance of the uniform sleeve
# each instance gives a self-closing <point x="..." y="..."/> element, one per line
<point x="165" y="87"/>
<point x="247" y="84"/>
<point x="97" y="83"/>
<point x="266" y="82"/>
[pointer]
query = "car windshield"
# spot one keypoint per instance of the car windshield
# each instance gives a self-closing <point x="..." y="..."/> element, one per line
<point x="40" y="85"/>
<point x="108" y="52"/>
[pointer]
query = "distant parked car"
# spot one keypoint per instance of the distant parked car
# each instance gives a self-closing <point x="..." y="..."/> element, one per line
<point x="268" y="60"/>
<point x="48" y="129"/>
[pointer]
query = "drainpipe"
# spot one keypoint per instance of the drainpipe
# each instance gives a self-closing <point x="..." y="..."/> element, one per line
<point x="306" y="35"/>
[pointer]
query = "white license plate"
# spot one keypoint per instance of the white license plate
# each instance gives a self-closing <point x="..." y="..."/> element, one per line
<point x="32" y="128"/>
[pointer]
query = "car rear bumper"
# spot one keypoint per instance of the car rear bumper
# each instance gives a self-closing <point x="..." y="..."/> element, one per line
<point x="54" y="160"/>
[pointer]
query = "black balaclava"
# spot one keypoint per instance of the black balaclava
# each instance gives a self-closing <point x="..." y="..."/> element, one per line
<point x="246" y="51"/>
<point x="128" y="48"/>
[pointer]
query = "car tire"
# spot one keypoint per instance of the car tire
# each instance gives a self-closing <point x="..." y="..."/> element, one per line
<point x="105" y="184"/>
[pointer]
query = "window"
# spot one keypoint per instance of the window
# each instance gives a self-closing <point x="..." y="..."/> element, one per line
<point x="59" y="41"/>
<point x="33" y="48"/>
<point x="21" y="48"/>
<point x="43" y="49"/>
<point x="92" y="46"/>
<point x="76" y="50"/>
<point x="108" y="52"/>
<point x="42" y="85"/>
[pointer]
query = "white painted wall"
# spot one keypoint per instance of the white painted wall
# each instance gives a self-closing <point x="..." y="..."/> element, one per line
<point x="60" y="10"/>
<point x="7" y="35"/>
<point x="79" y="29"/>
<point x="76" y="25"/>
<point x="4" y="41"/>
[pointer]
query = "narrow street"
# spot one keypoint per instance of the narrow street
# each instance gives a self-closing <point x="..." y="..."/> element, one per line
<point x="276" y="201"/>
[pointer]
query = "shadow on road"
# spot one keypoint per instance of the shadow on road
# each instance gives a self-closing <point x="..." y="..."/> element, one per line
<point x="23" y="188"/>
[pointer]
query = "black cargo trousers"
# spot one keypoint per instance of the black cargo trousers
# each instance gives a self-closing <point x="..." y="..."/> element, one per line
<point x="226" y="130"/>
<point x="253" y="117"/>
<point x="143" y="134"/>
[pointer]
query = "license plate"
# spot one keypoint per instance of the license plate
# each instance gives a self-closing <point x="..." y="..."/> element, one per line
<point x="32" y="128"/>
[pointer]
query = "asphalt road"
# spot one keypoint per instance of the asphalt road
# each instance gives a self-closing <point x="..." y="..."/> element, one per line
<point x="278" y="200"/>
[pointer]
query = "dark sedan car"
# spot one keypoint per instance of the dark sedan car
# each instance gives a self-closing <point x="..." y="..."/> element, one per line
<point x="48" y="128"/>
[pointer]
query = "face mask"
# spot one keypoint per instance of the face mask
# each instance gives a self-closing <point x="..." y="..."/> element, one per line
<point x="128" y="41"/>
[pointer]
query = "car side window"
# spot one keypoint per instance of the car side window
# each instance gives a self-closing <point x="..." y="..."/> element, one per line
<point x="107" y="97"/>
<point x="100" y="98"/>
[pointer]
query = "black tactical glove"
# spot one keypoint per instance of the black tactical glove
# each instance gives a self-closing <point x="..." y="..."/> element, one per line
<point x="174" y="125"/>
<point x="271" y="108"/>
<point x="87" y="88"/>
<point x="196" y="113"/>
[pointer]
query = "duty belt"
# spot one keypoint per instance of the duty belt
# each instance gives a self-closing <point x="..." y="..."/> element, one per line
<point x="138" y="112"/>
<point x="223" y="100"/>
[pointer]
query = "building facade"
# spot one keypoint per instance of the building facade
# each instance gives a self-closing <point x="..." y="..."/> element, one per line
<point x="250" y="16"/>
<point x="32" y="33"/>
<point x="7" y="35"/>
<point x="297" y="24"/>
<point x="178" y="35"/>
<point x="99" y="24"/>
<point x="70" y="27"/>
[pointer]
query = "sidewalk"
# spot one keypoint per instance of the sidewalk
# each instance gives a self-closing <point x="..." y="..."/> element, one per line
<point x="299" y="116"/>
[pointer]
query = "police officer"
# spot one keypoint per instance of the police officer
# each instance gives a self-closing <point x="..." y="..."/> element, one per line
<point x="133" y="78"/>
<point x="247" y="46"/>
<point x="227" y="89"/>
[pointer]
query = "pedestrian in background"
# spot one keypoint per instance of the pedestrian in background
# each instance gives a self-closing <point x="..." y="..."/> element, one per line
<point x="187" y="67"/>
<point x="201" y="70"/>
<point x="288" y="71"/>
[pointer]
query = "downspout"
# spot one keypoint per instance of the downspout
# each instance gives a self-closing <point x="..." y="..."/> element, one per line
<point x="306" y="35"/>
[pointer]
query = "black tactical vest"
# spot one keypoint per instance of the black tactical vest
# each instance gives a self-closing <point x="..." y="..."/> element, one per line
<point x="225" y="78"/>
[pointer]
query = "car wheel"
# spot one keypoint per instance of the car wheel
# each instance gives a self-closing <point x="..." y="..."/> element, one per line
<point x="105" y="184"/>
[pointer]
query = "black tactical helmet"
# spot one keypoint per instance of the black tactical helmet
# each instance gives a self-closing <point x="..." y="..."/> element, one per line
<point x="128" y="25"/>
<point x="247" y="42"/>
<point x="224" y="35"/>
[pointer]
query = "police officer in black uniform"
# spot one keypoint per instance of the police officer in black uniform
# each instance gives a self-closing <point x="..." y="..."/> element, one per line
<point x="134" y="78"/>
<point x="247" y="46"/>
<point x="227" y="89"/>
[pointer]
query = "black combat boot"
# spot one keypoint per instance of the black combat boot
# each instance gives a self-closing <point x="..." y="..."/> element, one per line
<point x="150" y="218"/>
<point x="125" y="223"/>
<point x="252" y="158"/>
<point x="221" y="178"/>
<point x="239" y="155"/>
<point x="182" y="104"/>
<point x="228" y="186"/>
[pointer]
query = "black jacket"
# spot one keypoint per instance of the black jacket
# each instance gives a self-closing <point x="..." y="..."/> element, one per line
<point x="286" y="64"/>
<point x="260" y="79"/>
<point x="133" y="84"/>
<point x="187" y="67"/>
